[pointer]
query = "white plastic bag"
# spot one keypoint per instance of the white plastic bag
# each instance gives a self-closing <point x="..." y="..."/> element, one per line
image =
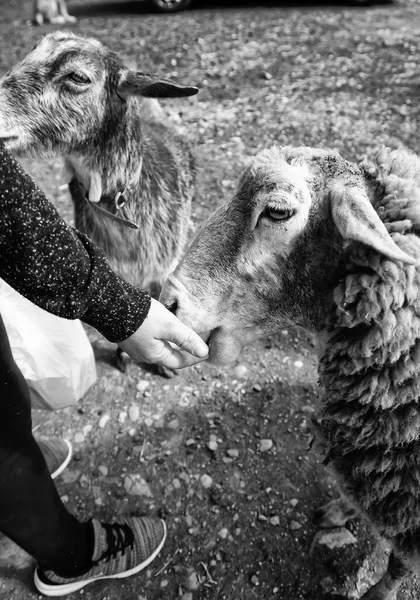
<point x="54" y="354"/>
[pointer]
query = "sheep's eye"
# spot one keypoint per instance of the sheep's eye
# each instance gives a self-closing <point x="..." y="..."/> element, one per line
<point x="79" y="78"/>
<point x="278" y="214"/>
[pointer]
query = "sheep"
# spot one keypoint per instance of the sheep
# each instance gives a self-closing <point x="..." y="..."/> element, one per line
<point x="132" y="174"/>
<point x="313" y="240"/>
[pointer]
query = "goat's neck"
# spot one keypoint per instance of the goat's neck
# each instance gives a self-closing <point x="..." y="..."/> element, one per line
<point x="115" y="164"/>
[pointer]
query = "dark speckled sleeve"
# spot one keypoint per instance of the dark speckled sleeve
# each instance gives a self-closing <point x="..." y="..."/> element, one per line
<point x="57" y="267"/>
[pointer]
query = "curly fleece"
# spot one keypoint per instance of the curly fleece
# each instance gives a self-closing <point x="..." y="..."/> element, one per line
<point x="370" y="370"/>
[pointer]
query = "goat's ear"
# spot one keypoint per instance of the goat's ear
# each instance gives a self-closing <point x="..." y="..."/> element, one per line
<point x="140" y="84"/>
<point x="356" y="219"/>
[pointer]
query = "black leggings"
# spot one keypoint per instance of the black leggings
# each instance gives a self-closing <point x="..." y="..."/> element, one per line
<point x="31" y="512"/>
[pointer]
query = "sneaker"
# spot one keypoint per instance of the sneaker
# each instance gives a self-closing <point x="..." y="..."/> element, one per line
<point x="120" y="550"/>
<point x="57" y="454"/>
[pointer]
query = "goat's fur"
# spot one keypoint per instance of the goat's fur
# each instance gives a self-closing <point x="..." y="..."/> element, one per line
<point x="73" y="97"/>
<point x="313" y="240"/>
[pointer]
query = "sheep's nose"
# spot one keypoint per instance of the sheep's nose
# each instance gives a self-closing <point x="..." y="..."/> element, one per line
<point x="172" y="306"/>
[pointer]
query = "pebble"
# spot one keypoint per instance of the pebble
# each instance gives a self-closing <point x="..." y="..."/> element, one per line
<point x="103" y="470"/>
<point x="174" y="424"/>
<point x="187" y="596"/>
<point x="79" y="438"/>
<point x="240" y="371"/>
<point x="232" y="453"/>
<point x="335" y="538"/>
<point x="164" y="583"/>
<point x="192" y="581"/>
<point x="103" y="420"/>
<point x="255" y="580"/>
<point x="294" y="526"/>
<point x="176" y="483"/>
<point x="134" y="412"/>
<point x="142" y="385"/>
<point x="257" y="387"/>
<point x="293" y="502"/>
<point x="212" y="446"/>
<point x="122" y="417"/>
<point x="223" y="533"/>
<point x="206" y="481"/>
<point x="308" y="409"/>
<point x="274" y="521"/>
<point x="135" y="485"/>
<point x="87" y="429"/>
<point x="298" y="364"/>
<point x="266" y="445"/>
<point x="148" y="422"/>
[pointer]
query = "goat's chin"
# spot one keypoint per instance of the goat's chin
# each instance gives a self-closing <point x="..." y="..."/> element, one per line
<point x="223" y="348"/>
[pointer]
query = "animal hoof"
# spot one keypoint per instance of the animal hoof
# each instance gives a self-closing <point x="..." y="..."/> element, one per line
<point x="335" y="514"/>
<point x="165" y="372"/>
<point x="120" y="362"/>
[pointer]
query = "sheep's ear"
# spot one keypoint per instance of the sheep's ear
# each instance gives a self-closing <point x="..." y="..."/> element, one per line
<point x="356" y="219"/>
<point x="133" y="83"/>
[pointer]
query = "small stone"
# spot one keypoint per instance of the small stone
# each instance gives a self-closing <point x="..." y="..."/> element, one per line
<point x="122" y="417"/>
<point x="308" y="409"/>
<point x="148" y="422"/>
<point x="176" y="483"/>
<point x="255" y="580"/>
<point x="298" y="364"/>
<point x="187" y="596"/>
<point x="240" y="371"/>
<point x="134" y="412"/>
<point x="174" y="424"/>
<point x="64" y="499"/>
<point x="293" y="502"/>
<point x="87" y="429"/>
<point x="164" y="583"/>
<point x="294" y="526"/>
<point x="142" y="385"/>
<point x="103" y="470"/>
<point x="266" y="445"/>
<point x="192" y="581"/>
<point x="334" y="538"/>
<point x="223" y="533"/>
<point x="257" y="387"/>
<point x="190" y="442"/>
<point x="99" y="501"/>
<point x="232" y="452"/>
<point x="135" y="485"/>
<point x="275" y="521"/>
<point x="211" y="445"/>
<point x="79" y="438"/>
<point x="104" y="420"/>
<point x="206" y="481"/>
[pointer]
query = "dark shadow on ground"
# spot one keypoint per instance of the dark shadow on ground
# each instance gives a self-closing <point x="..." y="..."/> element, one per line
<point x="87" y="9"/>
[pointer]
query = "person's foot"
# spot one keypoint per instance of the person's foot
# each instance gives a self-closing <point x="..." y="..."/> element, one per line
<point x="120" y="550"/>
<point x="57" y="454"/>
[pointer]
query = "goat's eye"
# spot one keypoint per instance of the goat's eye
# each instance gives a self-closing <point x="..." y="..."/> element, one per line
<point x="278" y="214"/>
<point x="79" y="78"/>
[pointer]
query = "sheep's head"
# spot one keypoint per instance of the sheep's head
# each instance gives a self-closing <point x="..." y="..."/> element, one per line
<point x="70" y="92"/>
<point x="270" y="257"/>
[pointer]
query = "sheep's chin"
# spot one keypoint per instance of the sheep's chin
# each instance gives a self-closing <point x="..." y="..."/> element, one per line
<point x="223" y="348"/>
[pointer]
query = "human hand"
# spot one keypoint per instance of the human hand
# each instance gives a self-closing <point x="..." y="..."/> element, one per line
<point x="151" y="342"/>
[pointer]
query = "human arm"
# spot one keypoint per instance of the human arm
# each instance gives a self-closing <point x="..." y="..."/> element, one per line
<point x="62" y="271"/>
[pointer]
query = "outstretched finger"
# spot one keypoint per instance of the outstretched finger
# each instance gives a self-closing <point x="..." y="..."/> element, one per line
<point x="186" y="339"/>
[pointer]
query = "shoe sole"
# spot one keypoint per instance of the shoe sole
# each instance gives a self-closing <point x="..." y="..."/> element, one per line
<point x="68" y="588"/>
<point x="64" y="464"/>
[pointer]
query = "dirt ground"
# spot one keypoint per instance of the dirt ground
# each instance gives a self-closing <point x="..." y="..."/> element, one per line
<point x="223" y="453"/>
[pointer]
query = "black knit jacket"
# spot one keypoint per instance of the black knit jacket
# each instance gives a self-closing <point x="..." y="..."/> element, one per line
<point x="57" y="267"/>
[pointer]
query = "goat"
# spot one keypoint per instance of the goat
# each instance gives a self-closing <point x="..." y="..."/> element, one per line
<point x="51" y="11"/>
<point x="133" y="175"/>
<point x="313" y="240"/>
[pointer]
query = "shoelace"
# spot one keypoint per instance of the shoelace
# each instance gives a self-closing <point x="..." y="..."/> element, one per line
<point x="118" y="538"/>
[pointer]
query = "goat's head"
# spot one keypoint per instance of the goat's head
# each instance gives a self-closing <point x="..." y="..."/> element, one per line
<point x="68" y="92"/>
<point x="269" y="258"/>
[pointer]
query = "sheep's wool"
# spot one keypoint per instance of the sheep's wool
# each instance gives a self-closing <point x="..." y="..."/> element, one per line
<point x="370" y="371"/>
